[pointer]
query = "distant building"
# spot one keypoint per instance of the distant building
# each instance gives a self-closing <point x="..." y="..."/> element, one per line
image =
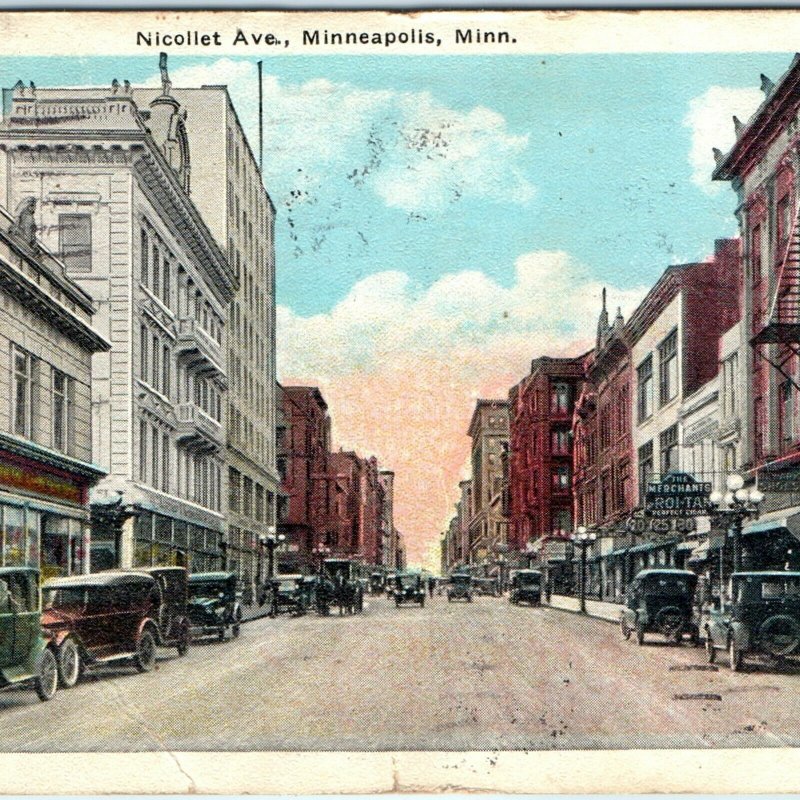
<point x="46" y="348"/>
<point x="303" y="454"/>
<point x="488" y="431"/>
<point x="386" y="478"/>
<point x="540" y="464"/>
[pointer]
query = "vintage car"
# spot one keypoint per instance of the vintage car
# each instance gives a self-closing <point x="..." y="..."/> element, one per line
<point x="486" y="586"/>
<point x="214" y="604"/>
<point x="409" y="588"/>
<point x="341" y="585"/>
<point x="376" y="583"/>
<point x="661" y="601"/>
<point x="27" y="653"/>
<point x="102" y="618"/>
<point x="286" y="595"/>
<point x="762" y="617"/>
<point x="459" y="587"/>
<point x="171" y="613"/>
<point x="389" y="583"/>
<point x="526" y="587"/>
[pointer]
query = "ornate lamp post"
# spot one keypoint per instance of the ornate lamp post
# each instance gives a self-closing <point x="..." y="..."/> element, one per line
<point x="733" y="508"/>
<point x="583" y="539"/>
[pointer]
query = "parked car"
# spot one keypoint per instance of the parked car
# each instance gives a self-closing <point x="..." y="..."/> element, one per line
<point x="526" y="587"/>
<point x="171" y="612"/>
<point x="389" y="583"/>
<point x="27" y="653"/>
<point x="343" y="587"/>
<point x="214" y="604"/>
<point x="460" y="587"/>
<point x="287" y="595"/>
<point x="102" y="618"/>
<point x="661" y="601"/>
<point x="762" y="618"/>
<point x="408" y="588"/>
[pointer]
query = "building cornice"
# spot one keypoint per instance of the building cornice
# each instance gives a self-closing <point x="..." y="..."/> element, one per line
<point x="52" y="458"/>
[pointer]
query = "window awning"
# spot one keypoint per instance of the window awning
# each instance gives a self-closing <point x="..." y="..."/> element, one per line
<point x="642" y="548"/>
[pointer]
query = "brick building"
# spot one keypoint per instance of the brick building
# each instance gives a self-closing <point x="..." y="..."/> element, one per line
<point x="764" y="168"/>
<point x="488" y="430"/>
<point x="604" y="483"/>
<point x="304" y="449"/>
<point x="540" y="460"/>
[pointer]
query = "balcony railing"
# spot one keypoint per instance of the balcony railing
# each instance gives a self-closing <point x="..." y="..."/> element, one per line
<point x="197" y="349"/>
<point x="197" y="430"/>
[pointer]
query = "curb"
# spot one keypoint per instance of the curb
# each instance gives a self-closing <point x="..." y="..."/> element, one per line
<point x="580" y="613"/>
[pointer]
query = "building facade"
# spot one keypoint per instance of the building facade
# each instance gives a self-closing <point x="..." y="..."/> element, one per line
<point x="46" y="349"/>
<point x="387" y="556"/>
<point x="763" y="167"/>
<point x="487" y="528"/>
<point x="540" y="463"/>
<point x="303" y="454"/>
<point x="109" y="179"/>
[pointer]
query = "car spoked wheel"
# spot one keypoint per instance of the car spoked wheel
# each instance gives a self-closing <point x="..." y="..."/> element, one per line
<point x="184" y="640"/>
<point x="145" y="658"/>
<point x="69" y="663"/>
<point x="46" y="682"/>
<point x="626" y="631"/>
<point x="779" y="635"/>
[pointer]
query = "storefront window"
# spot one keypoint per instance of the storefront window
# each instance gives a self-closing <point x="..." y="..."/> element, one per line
<point x="14" y="538"/>
<point x="32" y="522"/>
<point x="163" y="529"/>
<point x="143" y="537"/>
<point x="55" y="547"/>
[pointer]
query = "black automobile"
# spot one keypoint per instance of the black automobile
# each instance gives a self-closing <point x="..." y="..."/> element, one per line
<point x="486" y="586"/>
<point x="376" y="583"/>
<point x="171" y="605"/>
<point x="287" y="595"/>
<point x="213" y="604"/>
<point x="409" y="588"/>
<point x="526" y="587"/>
<point x="762" y="618"/>
<point x="661" y="601"/>
<point x="459" y="587"/>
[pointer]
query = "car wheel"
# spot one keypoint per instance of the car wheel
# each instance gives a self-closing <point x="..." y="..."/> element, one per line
<point x="422" y="602"/>
<point x="694" y="638"/>
<point x="69" y="663"/>
<point x="469" y="598"/>
<point x="735" y="656"/>
<point x="711" y="651"/>
<point x="145" y="658"/>
<point x="46" y="681"/>
<point x="623" y="626"/>
<point x="221" y="634"/>
<point x="639" y="634"/>
<point x="184" y="640"/>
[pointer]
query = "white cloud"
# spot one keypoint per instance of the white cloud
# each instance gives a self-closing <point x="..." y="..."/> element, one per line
<point x="412" y="152"/>
<point x="710" y="120"/>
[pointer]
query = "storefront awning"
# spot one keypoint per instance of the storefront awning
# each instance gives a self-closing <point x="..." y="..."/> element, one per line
<point x="774" y="521"/>
<point x="642" y="548"/>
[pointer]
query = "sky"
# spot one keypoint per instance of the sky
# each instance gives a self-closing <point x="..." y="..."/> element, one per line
<point x="443" y="220"/>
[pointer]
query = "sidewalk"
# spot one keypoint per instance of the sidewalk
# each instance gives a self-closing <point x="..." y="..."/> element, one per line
<point x="594" y="608"/>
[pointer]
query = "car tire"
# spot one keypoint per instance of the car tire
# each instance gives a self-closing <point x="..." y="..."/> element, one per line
<point x="623" y="626"/>
<point x="46" y="681"/>
<point x="735" y="656"/>
<point x="145" y="658"/>
<point x="184" y="640"/>
<point x="711" y="651"/>
<point x="639" y="634"/>
<point x="69" y="663"/>
<point x="422" y="603"/>
<point x="236" y="629"/>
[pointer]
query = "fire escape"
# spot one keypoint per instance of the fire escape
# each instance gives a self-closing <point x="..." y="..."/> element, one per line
<point x="782" y="326"/>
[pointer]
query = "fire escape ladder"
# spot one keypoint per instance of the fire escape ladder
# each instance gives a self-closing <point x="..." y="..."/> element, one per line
<point x="782" y="327"/>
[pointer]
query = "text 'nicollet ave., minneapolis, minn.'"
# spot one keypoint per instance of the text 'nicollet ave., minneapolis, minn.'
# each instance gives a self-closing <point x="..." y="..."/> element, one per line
<point x="321" y="37"/>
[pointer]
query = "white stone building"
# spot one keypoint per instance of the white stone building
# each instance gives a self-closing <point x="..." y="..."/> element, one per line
<point x="111" y="179"/>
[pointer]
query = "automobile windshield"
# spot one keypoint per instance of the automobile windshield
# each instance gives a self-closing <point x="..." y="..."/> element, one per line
<point x="69" y="597"/>
<point x="754" y="589"/>
<point x="460" y="579"/>
<point x="408" y="581"/>
<point x="668" y="585"/>
<point x="207" y="590"/>
<point x="528" y="580"/>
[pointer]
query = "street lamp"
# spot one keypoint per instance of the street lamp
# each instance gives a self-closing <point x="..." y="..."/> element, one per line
<point x="733" y="508"/>
<point x="271" y="541"/>
<point x="583" y="539"/>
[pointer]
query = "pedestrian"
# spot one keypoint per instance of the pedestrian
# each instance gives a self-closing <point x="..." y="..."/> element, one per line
<point x="431" y="586"/>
